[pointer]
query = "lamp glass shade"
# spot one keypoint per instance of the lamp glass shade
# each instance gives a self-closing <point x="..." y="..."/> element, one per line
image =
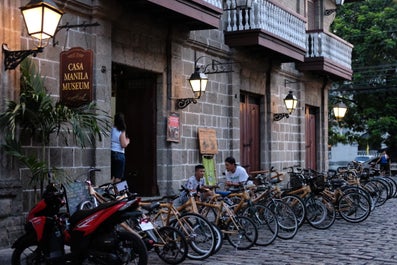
<point x="41" y="19"/>
<point x="340" y="110"/>
<point x="198" y="82"/>
<point x="243" y="3"/>
<point x="290" y="102"/>
<point x="339" y="2"/>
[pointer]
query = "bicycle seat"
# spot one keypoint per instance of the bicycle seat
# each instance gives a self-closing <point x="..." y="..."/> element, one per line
<point x="223" y="193"/>
<point x="150" y="207"/>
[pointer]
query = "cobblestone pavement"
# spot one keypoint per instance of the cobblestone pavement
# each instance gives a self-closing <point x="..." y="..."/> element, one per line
<point x="373" y="241"/>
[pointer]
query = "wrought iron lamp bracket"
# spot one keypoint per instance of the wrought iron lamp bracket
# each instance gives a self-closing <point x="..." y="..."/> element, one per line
<point x="214" y="67"/>
<point x="13" y="58"/>
<point x="280" y="116"/>
<point x="67" y="27"/>
<point x="184" y="102"/>
<point x="328" y="12"/>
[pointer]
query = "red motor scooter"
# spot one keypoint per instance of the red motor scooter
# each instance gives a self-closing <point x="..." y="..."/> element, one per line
<point x="92" y="236"/>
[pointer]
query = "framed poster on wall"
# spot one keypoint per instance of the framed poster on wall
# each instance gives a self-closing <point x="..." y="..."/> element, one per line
<point x="173" y="127"/>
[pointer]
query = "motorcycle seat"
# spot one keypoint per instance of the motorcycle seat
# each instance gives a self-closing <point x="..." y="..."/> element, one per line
<point x="81" y="214"/>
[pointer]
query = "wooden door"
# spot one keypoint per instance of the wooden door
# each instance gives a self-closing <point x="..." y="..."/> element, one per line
<point x="310" y="135"/>
<point x="136" y="98"/>
<point x="249" y="132"/>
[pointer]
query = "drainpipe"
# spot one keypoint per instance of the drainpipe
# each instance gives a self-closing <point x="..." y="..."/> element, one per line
<point x="168" y="54"/>
<point x="268" y="124"/>
<point x="324" y="121"/>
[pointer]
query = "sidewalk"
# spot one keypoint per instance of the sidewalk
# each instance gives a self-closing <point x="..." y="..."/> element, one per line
<point x="5" y="256"/>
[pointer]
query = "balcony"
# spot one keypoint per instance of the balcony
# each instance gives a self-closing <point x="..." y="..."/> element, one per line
<point x="268" y="27"/>
<point x="195" y="14"/>
<point x="327" y="54"/>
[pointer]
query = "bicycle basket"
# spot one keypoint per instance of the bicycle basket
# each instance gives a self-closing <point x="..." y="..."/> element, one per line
<point x="318" y="183"/>
<point x="295" y="182"/>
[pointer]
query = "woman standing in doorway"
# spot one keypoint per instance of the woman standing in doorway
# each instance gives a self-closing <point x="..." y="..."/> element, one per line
<point x="119" y="142"/>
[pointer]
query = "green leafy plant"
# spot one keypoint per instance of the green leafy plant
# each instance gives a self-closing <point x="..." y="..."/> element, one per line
<point x="35" y="116"/>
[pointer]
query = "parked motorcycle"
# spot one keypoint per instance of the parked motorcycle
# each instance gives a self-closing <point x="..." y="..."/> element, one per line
<point x="87" y="237"/>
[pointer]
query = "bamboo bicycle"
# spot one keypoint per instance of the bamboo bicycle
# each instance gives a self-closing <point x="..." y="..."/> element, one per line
<point x="198" y="231"/>
<point x="320" y="211"/>
<point x="240" y="231"/>
<point x="269" y="179"/>
<point x="285" y="216"/>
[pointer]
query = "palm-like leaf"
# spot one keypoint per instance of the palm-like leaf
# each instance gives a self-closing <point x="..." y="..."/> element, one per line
<point x="37" y="117"/>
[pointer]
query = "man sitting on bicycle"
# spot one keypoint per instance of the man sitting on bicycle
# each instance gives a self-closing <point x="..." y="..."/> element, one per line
<point x="195" y="184"/>
<point x="236" y="175"/>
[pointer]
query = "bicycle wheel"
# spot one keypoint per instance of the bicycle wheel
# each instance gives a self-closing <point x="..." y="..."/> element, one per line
<point x="297" y="205"/>
<point x="86" y="205"/>
<point x="390" y="185"/>
<point x="382" y="192"/>
<point x="354" y="207"/>
<point x="393" y="185"/>
<point x="172" y="246"/>
<point x="219" y="238"/>
<point x="241" y="232"/>
<point x="320" y="211"/>
<point x="265" y="221"/>
<point x="286" y="219"/>
<point x="210" y="214"/>
<point x="199" y="233"/>
<point x="373" y="192"/>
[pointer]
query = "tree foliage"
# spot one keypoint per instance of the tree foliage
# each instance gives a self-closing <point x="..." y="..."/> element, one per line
<point x="371" y="26"/>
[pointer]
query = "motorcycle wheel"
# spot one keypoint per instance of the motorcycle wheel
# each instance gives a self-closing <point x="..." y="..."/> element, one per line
<point x="27" y="252"/>
<point x="132" y="251"/>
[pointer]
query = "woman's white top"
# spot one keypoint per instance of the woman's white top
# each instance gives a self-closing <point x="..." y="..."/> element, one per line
<point x="116" y="146"/>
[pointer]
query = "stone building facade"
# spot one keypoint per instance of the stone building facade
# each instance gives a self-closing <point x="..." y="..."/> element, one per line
<point x="144" y="53"/>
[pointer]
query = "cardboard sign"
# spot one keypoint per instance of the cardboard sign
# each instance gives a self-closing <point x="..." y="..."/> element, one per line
<point x="76" y="77"/>
<point x="207" y="141"/>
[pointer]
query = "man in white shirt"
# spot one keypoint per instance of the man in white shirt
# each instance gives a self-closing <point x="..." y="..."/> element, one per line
<point x="236" y="175"/>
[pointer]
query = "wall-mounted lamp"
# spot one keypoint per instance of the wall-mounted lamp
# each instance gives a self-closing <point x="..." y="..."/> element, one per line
<point x="41" y="20"/>
<point x="198" y="80"/>
<point x="339" y="111"/>
<point x="239" y="4"/>
<point x="338" y="3"/>
<point x="290" y="102"/>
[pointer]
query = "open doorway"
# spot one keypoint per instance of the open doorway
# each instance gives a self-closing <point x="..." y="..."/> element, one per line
<point x="134" y="94"/>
